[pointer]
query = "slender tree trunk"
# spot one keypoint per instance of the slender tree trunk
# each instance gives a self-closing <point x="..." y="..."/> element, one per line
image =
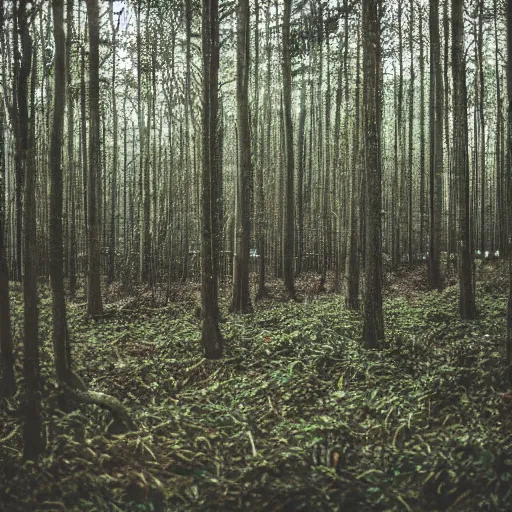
<point x="436" y="149"/>
<point x="422" y="135"/>
<point x="263" y="161"/>
<point x="241" y="300"/>
<point x="288" y="252"/>
<point x="353" y="261"/>
<point x="32" y="426"/>
<point x="509" y="151"/>
<point x="83" y="134"/>
<point x="300" y="173"/>
<point x="461" y="163"/>
<point x="19" y="89"/>
<point x="94" y="301"/>
<point x="113" y="196"/>
<point x="401" y="166"/>
<point x="373" y="322"/>
<point x="502" y="204"/>
<point x="188" y="171"/>
<point x="71" y="152"/>
<point x="60" y="334"/>
<point x="8" y="382"/>
<point x="481" y="112"/>
<point x="211" y="193"/>
<point x="411" y="128"/>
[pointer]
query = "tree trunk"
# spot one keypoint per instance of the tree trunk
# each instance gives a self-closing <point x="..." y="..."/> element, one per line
<point x="113" y="196"/>
<point x="509" y="151"/>
<point x="60" y="335"/>
<point x="288" y="251"/>
<point x="71" y="152"/>
<point x="32" y="427"/>
<point x="8" y="382"/>
<point x="436" y="149"/>
<point x="461" y="163"/>
<point x="373" y="326"/>
<point x="422" y="135"/>
<point x="211" y="193"/>
<point x="481" y="113"/>
<point x="353" y="260"/>
<point x="241" y="300"/>
<point x="94" y="301"/>
<point x="411" y="141"/>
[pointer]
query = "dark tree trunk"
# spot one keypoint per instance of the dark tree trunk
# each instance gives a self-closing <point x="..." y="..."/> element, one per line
<point x="32" y="426"/>
<point x="461" y="163"/>
<point x="373" y="326"/>
<point x="422" y="135"/>
<point x="94" y="301"/>
<point x="353" y="260"/>
<point x="60" y="334"/>
<point x="113" y="196"/>
<point x="211" y="336"/>
<point x="436" y="149"/>
<point x="71" y="152"/>
<point x="8" y="382"/>
<point x="509" y="152"/>
<point x="289" y="230"/>
<point x="241" y="301"/>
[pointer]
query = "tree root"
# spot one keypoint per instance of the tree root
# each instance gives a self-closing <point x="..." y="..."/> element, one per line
<point x="80" y="393"/>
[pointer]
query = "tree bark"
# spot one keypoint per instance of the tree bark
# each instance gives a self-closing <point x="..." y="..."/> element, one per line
<point x="241" y="300"/>
<point x="461" y="164"/>
<point x="94" y="300"/>
<point x="353" y="260"/>
<point x="509" y="151"/>
<point x="373" y="322"/>
<point x="8" y="382"/>
<point x="288" y="245"/>
<point x="71" y="152"/>
<point x="33" y="442"/>
<point x="436" y="149"/>
<point x="211" y="336"/>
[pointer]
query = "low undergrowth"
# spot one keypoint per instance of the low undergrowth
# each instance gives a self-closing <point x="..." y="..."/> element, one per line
<point x="297" y="416"/>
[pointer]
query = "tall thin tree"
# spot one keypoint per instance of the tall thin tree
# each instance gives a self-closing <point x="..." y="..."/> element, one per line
<point x="60" y="331"/>
<point x="241" y="300"/>
<point x="509" y="152"/>
<point x="32" y="427"/>
<point x="436" y="149"/>
<point x="373" y="326"/>
<point x="8" y="381"/>
<point x="461" y="163"/>
<point x="210" y="187"/>
<point x="289" y="228"/>
<point x="94" y="300"/>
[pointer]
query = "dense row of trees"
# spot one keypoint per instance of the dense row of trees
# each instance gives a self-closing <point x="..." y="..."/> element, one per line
<point x="298" y="129"/>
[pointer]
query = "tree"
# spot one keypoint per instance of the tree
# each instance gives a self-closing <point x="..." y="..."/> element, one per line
<point x="509" y="152"/>
<point x="436" y="149"/>
<point x="461" y="163"/>
<point x="71" y="152"/>
<point x="289" y="229"/>
<point x="373" y="326"/>
<point x="373" y="322"/>
<point x="94" y="301"/>
<point x="355" y="175"/>
<point x="33" y="442"/>
<point x="241" y="300"/>
<point x="60" y="332"/>
<point x="210" y="187"/>
<point x="115" y="150"/>
<point x="8" y="382"/>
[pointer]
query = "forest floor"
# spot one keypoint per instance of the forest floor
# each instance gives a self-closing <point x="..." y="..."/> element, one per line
<point x="297" y="416"/>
